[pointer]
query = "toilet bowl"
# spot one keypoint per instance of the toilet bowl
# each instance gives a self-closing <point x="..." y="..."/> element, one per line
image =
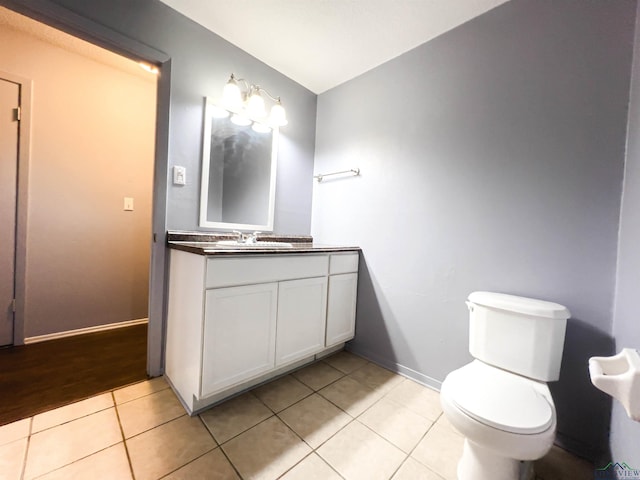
<point x="500" y="401"/>
<point x="505" y="418"/>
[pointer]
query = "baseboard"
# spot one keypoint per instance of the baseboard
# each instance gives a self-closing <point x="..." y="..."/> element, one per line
<point x="80" y="331"/>
<point x="397" y="368"/>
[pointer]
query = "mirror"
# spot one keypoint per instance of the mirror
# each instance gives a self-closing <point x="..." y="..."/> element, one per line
<point x="238" y="172"/>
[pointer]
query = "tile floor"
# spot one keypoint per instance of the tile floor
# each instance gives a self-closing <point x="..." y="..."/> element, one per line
<point x="341" y="418"/>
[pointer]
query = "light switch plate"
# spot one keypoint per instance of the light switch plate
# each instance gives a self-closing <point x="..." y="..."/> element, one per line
<point x="179" y="175"/>
<point x="128" y="204"/>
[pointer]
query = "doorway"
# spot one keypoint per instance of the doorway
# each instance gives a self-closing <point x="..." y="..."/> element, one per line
<point x="53" y="14"/>
<point x="89" y="196"/>
<point x="9" y="135"/>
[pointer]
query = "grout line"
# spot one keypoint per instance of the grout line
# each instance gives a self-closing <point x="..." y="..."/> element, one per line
<point x="124" y="440"/>
<point x="196" y="458"/>
<point x="26" y="451"/>
<point x="219" y="445"/>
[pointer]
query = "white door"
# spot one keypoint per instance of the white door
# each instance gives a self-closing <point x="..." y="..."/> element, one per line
<point x="239" y="335"/>
<point x="341" y="310"/>
<point x="9" y="102"/>
<point x="302" y="308"/>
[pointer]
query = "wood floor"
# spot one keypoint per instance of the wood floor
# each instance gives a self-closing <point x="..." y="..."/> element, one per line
<point x="41" y="376"/>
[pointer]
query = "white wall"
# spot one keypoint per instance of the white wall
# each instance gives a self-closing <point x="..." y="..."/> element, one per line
<point x="492" y="159"/>
<point x="93" y="133"/>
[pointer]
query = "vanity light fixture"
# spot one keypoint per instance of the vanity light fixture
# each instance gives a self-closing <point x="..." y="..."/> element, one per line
<point x="249" y="102"/>
<point x="260" y="127"/>
<point x="240" y="120"/>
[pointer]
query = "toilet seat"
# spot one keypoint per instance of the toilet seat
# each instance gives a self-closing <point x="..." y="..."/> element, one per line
<point x="500" y="399"/>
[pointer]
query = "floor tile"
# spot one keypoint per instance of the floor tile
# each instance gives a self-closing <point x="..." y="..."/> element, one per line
<point x="282" y="393"/>
<point x="266" y="451"/>
<point x="140" y="389"/>
<point x="66" y="443"/>
<point x="65" y="414"/>
<point x="559" y="464"/>
<point x="311" y="468"/>
<point x="398" y="424"/>
<point x="412" y="470"/>
<point x="148" y="412"/>
<point x="234" y="416"/>
<point x="376" y="378"/>
<point x="168" y="447"/>
<point x="318" y="375"/>
<point x="443" y="421"/>
<point x="357" y="453"/>
<point x="440" y="450"/>
<point x="417" y="398"/>
<point x="212" y="466"/>
<point x="315" y="419"/>
<point x="345" y="362"/>
<point x="350" y="395"/>
<point x="12" y="459"/>
<point x="108" y="464"/>
<point x="14" y="431"/>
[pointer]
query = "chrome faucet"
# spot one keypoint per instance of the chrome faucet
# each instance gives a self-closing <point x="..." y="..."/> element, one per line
<point x="242" y="238"/>
<point x="253" y="238"/>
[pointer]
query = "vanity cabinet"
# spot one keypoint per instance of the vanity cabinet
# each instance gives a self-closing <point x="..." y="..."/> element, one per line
<point x="239" y="332"/>
<point x="236" y="321"/>
<point x="302" y="310"/>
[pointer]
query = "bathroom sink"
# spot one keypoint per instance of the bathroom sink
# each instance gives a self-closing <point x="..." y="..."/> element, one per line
<point x="258" y="244"/>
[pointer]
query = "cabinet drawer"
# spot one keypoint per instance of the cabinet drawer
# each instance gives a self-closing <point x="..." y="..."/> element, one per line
<point x="343" y="263"/>
<point x="223" y="272"/>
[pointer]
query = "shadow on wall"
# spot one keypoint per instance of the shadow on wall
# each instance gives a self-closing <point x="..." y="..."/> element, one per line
<point x="581" y="407"/>
<point x="373" y="310"/>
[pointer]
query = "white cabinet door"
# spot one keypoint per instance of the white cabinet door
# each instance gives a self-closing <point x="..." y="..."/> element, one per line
<point x="239" y="335"/>
<point x="302" y="307"/>
<point x="341" y="310"/>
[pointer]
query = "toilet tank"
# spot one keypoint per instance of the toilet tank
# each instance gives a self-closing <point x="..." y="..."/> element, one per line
<point x="518" y="334"/>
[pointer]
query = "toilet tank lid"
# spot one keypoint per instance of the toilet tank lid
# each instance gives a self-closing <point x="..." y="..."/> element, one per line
<point x="527" y="306"/>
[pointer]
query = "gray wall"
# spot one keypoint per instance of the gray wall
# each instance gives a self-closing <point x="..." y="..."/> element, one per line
<point x="625" y="434"/>
<point x="201" y="63"/>
<point x="492" y="159"/>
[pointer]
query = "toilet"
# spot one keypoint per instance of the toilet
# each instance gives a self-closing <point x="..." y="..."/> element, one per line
<point x="500" y="402"/>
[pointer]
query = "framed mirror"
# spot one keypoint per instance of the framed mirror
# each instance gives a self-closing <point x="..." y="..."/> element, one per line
<point x="239" y="158"/>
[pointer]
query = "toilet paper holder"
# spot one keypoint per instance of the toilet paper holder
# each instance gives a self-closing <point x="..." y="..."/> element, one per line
<point x="619" y="376"/>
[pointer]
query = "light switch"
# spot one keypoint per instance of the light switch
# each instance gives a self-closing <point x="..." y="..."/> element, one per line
<point x="128" y="204"/>
<point x="179" y="175"/>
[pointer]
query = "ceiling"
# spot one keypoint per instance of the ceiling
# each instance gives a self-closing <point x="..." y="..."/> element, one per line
<point x="15" y="21"/>
<point x="323" y="43"/>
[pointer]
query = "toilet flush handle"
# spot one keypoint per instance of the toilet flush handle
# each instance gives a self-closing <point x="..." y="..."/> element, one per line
<point x="469" y="306"/>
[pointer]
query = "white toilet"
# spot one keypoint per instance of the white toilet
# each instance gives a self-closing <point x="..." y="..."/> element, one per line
<point x="500" y="401"/>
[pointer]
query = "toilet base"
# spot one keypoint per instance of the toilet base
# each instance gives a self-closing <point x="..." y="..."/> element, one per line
<point x="478" y="463"/>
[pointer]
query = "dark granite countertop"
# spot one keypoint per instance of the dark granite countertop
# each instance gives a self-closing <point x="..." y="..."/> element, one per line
<point x="202" y="243"/>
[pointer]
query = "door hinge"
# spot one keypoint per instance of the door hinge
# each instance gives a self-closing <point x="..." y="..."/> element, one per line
<point x="13" y="305"/>
<point x="17" y="114"/>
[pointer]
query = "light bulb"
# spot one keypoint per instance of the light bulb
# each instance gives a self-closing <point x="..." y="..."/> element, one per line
<point x="240" y="120"/>
<point x="260" y="127"/>
<point x="231" y="95"/>
<point x="278" y="115"/>
<point x="255" y="105"/>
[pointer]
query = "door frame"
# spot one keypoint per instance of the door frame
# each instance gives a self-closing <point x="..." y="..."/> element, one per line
<point x="71" y="23"/>
<point x="22" y="200"/>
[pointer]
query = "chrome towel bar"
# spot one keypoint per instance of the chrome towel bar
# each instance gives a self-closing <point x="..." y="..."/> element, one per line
<point x="320" y="176"/>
